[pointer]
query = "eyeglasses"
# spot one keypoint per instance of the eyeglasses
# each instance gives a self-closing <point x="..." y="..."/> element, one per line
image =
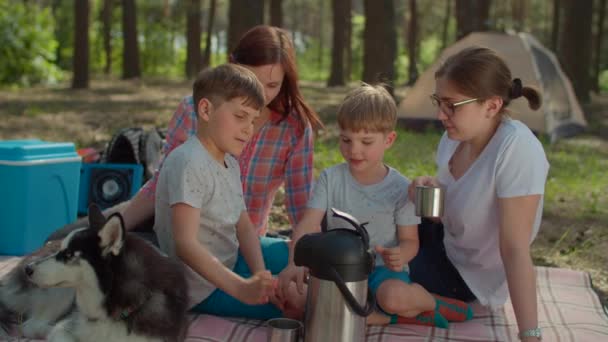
<point x="449" y="108"/>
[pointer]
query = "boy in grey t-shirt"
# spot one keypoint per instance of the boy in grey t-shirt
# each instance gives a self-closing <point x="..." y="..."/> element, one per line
<point x="201" y="217"/>
<point x="375" y="193"/>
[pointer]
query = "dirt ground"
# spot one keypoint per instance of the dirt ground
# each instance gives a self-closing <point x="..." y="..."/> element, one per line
<point x="89" y="117"/>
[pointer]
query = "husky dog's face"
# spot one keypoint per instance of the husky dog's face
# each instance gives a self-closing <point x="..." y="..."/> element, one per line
<point x="85" y="254"/>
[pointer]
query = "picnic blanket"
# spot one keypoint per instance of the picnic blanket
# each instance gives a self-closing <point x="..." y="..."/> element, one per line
<point x="569" y="310"/>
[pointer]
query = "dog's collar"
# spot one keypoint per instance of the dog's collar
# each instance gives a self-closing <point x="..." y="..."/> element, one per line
<point x="126" y="312"/>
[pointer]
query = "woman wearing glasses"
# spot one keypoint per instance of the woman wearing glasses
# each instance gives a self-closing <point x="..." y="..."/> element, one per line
<point x="494" y="171"/>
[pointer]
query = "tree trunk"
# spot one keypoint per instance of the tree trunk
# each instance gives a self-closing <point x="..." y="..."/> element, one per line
<point x="81" y="45"/>
<point x="276" y="13"/>
<point x="130" y="53"/>
<point x="599" y="36"/>
<point x="412" y="43"/>
<point x="348" y="49"/>
<point x="446" y="24"/>
<point x="555" y="32"/>
<point x="320" y="34"/>
<point x="380" y="42"/>
<point x="242" y="16"/>
<point x="575" y="51"/>
<point x="106" y="18"/>
<point x="471" y="15"/>
<point x="518" y="12"/>
<point x="193" y="37"/>
<point x="210" y="22"/>
<point x="340" y="21"/>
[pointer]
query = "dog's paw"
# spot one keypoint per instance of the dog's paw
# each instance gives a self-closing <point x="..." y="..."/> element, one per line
<point x="35" y="328"/>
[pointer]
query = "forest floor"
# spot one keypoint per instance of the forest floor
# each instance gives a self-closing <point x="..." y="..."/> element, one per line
<point x="90" y="117"/>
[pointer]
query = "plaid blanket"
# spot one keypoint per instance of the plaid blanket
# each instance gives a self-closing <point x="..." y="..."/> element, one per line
<point x="569" y="310"/>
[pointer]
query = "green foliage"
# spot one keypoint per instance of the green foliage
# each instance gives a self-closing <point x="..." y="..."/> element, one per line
<point x="577" y="179"/>
<point x="604" y="81"/>
<point x="27" y="45"/>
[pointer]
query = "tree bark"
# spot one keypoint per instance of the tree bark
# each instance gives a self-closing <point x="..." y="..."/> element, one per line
<point x="348" y="49"/>
<point x="320" y="34"/>
<point x="471" y="15"/>
<point x="575" y="45"/>
<point x="242" y="16"/>
<point x="599" y="36"/>
<point x="276" y="13"/>
<point x="446" y="24"/>
<point x="380" y="42"/>
<point x="106" y="18"/>
<point x="130" y="53"/>
<point x="81" y="45"/>
<point x="193" y="37"/>
<point x="555" y="32"/>
<point x="412" y="43"/>
<point x="518" y="12"/>
<point x="210" y="23"/>
<point x="340" y="22"/>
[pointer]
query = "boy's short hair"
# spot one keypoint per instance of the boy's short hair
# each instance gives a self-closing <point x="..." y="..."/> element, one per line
<point x="369" y="108"/>
<point x="226" y="82"/>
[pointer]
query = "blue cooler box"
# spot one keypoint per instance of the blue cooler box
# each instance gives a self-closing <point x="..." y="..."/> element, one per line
<point x="39" y="181"/>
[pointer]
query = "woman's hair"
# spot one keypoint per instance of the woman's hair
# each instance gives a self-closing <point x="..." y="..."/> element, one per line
<point x="263" y="45"/>
<point x="368" y="108"/>
<point x="480" y="73"/>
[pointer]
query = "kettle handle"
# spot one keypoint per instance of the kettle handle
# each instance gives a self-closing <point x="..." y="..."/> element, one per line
<point x="355" y="223"/>
<point x="352" y="301"/>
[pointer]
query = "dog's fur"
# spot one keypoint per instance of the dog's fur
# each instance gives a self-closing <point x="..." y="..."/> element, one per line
<point x="124" y="289"/>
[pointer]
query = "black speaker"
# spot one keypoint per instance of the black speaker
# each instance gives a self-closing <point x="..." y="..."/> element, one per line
<point x="107" y="184"/>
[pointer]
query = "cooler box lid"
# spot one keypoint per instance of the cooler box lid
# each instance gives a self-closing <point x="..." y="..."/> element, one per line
<point x="16" y="152"/>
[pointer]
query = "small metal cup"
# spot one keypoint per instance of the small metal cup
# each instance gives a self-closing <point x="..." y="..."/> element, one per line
<point x="283" y="330"/>
<point x="429" y="201"/>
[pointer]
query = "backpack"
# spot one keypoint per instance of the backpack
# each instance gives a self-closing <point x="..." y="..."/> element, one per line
<point x="134" y="145"/>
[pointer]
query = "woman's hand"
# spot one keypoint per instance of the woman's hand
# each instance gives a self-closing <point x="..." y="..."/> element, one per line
<point x="256" y="290"/>
<point x="420" y="181"/>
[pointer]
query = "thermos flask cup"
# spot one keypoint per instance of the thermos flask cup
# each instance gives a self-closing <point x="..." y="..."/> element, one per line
<point x="429" y="201"/>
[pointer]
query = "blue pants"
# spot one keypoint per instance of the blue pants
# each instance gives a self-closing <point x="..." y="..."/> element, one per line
<point x="275" y="252"/>
<point x="381" y="274"/>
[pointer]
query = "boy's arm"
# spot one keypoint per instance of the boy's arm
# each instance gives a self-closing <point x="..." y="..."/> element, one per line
<point x="397" y="257"/>
<point x="249" y="243"/>
<point x="185" y="223"/>
<point x="310" y="223"/>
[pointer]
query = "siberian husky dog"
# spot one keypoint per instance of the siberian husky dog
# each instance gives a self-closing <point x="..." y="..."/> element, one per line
<point x="122" y="288"/>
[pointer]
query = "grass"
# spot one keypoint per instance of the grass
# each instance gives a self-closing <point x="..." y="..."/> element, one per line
<point x="574" y="231"/>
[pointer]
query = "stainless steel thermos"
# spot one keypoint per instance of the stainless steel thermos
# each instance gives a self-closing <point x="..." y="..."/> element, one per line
<point x="339" y="261"/>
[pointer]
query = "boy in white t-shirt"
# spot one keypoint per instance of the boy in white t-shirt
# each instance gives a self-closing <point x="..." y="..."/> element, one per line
<point x="375" y="193"/>
<point x="201" y="217"/>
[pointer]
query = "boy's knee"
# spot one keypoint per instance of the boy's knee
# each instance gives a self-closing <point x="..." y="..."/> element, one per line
<point x="392" y="296"/>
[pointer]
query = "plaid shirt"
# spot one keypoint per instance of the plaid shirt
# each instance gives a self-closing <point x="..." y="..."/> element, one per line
<point x="280" y="152"/>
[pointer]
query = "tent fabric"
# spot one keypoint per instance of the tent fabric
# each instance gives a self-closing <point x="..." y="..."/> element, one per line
<point x="560" y="114"/>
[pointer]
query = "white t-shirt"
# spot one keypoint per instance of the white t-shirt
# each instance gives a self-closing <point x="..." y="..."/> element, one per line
<point x="190" y="175"/>
<point x="512" y="164"/>
<point x="385" y="205"/>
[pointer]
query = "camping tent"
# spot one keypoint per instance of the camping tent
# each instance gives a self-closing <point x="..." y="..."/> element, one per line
<point x="560" y="114"/>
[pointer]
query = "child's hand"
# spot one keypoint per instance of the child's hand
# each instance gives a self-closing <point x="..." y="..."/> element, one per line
<point x="392" y="257"/>
<point x="291" y="273"/>
<point x="257" y="289"/>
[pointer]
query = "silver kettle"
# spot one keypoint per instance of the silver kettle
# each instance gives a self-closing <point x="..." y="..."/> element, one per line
<point x="339" y="301"/>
